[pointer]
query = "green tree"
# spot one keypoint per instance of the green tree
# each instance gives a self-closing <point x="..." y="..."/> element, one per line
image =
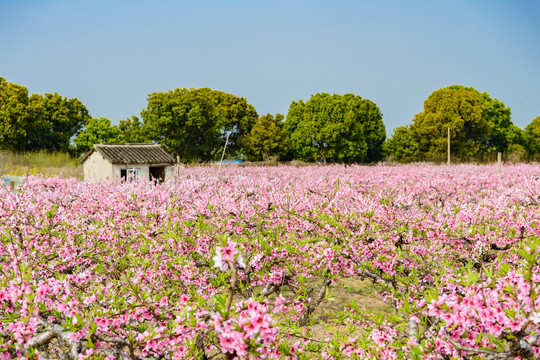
<point x="131" y="130"/>
<point x="14" y="116"/>
<point x="336" y="128"/>
<point x="234" y="116"/>
<point x="504" y="133"/>
<point x="193" y="123"/>
<point x="267" y="138"/>
<point x="98" y="131"/>
<point x="532" y="137"/>
<point x="477" y="123"/>
<point x="56" y="120"/>
<point x="39" y="122"/>
<point x="402" y="146"/>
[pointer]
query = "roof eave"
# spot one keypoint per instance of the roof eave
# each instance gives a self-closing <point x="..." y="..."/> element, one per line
<point x="87" y="155"/>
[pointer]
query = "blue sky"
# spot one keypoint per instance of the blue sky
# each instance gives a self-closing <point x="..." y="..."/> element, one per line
<point x="112" y="54"/>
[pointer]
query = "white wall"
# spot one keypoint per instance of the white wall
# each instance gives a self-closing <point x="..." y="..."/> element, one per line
<point x="97" y="168"/>
<point x="168" y="172"/>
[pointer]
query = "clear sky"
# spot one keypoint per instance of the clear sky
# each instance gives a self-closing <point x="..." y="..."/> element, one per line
<point x="112" y="54"/>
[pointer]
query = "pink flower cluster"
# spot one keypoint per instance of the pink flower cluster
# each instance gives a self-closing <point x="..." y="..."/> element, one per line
<point x="225" y="255"/>
<point x="249" y="331"/>
<point x="508" y="306"/>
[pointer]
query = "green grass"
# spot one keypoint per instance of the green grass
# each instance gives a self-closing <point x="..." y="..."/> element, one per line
<point x="39" y="163"/>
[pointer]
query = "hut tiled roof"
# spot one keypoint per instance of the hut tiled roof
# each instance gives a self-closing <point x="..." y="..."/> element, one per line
<point x="132" y="154"/>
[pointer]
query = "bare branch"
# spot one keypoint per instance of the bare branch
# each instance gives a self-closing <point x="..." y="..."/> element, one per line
<point x="41" y="339"/>
<point x="378" y="279"/>
<point x="493" y="354"/>
<point x="313" y="304"/>
<point x="413" y="330"/>
<point x="60" y="333"/>
<point x="232" y="286"/>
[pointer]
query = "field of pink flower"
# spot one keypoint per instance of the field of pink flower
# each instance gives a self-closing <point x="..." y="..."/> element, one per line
<point x="237" y="265"/>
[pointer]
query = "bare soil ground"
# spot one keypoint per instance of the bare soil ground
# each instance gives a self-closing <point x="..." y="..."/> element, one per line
<point x="325" y="317"/>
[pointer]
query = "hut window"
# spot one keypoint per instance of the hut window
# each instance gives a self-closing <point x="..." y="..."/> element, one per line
<point x="129" y="174"/>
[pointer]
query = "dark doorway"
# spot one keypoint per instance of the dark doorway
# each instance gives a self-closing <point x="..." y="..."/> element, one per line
<point x="157" y="172"/>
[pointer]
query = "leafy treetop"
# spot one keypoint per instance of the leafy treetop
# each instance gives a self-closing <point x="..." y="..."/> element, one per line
<point x="267" y="138"/>
<point x="98" y="131"/>
<point x="38" y="122"/>
<point x="336" y="128"/>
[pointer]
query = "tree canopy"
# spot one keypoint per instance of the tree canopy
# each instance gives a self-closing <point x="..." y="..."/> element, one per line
<point x="101" y="131"/>
<point x="56" y="121"/>
<point x="14" y="115"/>
<point x="194" y="123"/>
<point x="478" y="124"/>
<point x="532" y="137"/>
<point x="267" y="138"/>
<point x="131" y="131"/>
<point x="402" y="146"/>
<point x="97" y="131"/>
<point x="38" y="122"/>
<point x="336" y="128"/>
<point x="458" y="108"/>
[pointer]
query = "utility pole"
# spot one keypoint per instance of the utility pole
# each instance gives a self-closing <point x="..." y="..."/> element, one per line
<point x="448" y="162"/>
<point x="223" y="154"/>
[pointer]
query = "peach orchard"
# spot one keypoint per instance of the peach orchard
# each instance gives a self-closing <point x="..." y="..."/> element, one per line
<point x="235" y="265"/>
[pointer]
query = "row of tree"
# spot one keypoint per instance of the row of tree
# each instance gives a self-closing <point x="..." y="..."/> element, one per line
<point x="195" y="125"/>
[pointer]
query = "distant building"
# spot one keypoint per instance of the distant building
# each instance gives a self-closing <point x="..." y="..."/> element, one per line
<point x="127" y="161"/>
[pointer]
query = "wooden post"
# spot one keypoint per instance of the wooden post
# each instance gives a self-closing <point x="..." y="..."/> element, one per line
<point x="499" y="160"/>
<point x="448" y="162"/>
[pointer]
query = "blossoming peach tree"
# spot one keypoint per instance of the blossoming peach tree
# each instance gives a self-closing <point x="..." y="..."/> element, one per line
<point x="236" y="266"/>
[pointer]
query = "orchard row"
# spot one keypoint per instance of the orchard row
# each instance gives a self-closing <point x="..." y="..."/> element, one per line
<point x="237" y="264"/>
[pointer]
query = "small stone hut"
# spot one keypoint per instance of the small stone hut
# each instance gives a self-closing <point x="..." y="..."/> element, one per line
<point x="127" y="161"/>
